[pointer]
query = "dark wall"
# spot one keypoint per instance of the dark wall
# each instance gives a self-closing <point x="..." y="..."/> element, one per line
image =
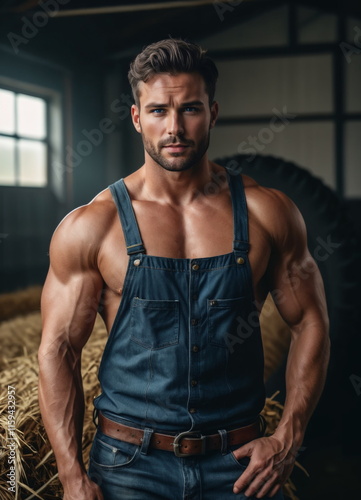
<point x="90" y="132"/>
<point x="28" y="216"/>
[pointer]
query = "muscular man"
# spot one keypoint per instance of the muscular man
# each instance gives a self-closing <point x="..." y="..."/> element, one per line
<point x="179" y="273"/>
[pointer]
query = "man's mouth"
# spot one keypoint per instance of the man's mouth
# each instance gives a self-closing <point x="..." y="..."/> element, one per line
<point x="176" y="147"/>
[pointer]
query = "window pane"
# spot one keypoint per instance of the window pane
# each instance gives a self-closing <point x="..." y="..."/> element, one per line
<point x="7" y="161"/>
<point x="301" y="84"/>
<point x="308" y="144"/>
<point x="32" y="163"/>
<point x="353" y="79"/>
<point x="352" y="157"/>
<point x="316" y="26"/>
<point x="7" y="111"/>
<point x="31" y="116"/>
<point x="353" y="32"/>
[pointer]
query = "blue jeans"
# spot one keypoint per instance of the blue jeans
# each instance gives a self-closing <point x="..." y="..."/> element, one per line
<point x="126" y="471"/>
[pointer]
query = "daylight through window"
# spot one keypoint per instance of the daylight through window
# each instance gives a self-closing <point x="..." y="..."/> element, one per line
<point x="23" y="140"/>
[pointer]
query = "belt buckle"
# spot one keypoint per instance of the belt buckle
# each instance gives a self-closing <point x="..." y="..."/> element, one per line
<point x="176" y="444"/>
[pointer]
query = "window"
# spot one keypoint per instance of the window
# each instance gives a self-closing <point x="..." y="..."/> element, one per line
<point x="23" y="139"/>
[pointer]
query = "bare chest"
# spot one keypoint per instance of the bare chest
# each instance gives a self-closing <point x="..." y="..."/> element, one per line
<point x="188" y="232"/>
<point x="185" y="232"/>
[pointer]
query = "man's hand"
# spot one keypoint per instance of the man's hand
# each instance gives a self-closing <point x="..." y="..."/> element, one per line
<point x="271" y="463"/>
<point x="82" y="489"/>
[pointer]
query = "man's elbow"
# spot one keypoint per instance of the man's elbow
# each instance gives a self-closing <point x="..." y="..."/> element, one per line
<point x="53" y="352"/>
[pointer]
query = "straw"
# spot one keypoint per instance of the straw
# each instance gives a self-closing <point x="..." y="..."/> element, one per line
<point x="36" y="470"/>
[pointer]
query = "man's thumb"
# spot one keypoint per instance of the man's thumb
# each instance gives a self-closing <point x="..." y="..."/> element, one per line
<point x="243" y="451"/>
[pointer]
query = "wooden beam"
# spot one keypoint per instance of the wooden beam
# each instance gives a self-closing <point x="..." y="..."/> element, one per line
<point x="117" y="9"/>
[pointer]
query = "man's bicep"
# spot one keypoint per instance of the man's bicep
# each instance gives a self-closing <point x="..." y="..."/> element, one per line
<point x="296" y="283"/>
<point x="69" y="309"/>
<point x="71" y="294"/>
<point x="298" y="291"/>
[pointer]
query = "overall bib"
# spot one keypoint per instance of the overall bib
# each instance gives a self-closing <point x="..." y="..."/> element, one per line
<point x="184" y="353"/>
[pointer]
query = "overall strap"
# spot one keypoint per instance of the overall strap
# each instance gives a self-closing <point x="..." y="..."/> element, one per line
<point x="240" y="213"/>
<point x="129" y="223"/>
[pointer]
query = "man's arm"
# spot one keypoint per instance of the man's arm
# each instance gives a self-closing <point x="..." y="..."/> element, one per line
<point x="71" y="292"/>
<point x="297" y="289"/>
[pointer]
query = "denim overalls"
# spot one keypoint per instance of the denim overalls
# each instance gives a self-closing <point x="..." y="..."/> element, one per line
<point x="185" y="350"/>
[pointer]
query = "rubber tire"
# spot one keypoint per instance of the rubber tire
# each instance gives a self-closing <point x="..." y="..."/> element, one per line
<point x="326" y="221"/>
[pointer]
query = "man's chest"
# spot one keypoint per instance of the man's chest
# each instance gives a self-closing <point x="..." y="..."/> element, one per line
<point x="194" y="232"/>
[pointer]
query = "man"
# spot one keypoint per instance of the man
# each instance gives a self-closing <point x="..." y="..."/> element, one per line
<point x="178" y="277"/>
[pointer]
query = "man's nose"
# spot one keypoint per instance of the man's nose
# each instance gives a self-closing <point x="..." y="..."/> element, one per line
<point x="175" y="124"/>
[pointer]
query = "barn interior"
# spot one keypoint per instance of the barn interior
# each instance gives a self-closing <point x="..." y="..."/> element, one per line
<point x="66" y="134"/>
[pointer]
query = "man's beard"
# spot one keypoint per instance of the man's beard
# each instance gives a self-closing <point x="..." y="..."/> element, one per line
<point x="178" y="164"/>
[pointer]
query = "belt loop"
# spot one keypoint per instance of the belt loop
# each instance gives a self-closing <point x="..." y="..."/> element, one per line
<point x="146" y="440"/>
<point x="224" y="441"/>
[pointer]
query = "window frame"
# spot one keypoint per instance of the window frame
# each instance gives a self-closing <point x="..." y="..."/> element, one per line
<point x="18" y="137"/>
<point x="339" y="115"/>
<point x="51" y="98"/>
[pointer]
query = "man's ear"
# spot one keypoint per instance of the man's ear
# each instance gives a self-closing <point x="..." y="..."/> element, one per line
<point x="214" y="114"/>
<point x="136" y="118"/>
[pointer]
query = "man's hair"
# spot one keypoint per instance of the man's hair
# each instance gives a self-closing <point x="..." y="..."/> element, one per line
<point x="172" y="56"/>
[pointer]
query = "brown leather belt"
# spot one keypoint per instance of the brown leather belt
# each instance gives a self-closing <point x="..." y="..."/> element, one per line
<point x="182" y="444"/>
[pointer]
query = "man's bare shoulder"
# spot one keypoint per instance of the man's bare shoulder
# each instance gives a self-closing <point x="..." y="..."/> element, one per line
<point x="94" y="216"/>
<point x="272" y="209"/>
<point x="79" y="235"/>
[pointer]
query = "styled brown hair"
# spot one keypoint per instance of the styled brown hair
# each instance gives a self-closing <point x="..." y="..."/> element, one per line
<point x="172" y="56"/>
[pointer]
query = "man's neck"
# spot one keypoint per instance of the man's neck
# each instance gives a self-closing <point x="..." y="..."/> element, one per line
<point x="176" y="188"/>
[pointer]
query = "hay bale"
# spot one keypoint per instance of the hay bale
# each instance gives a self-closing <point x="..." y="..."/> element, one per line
<point x="22" y="335"/>
<point x="21" y="302"/>
<point x="276" y="337"/>
<point x="20" y="338"/>
<point x="35" y="460"/>
<point x="31" y="442"/>
<point x="37" y="473"/>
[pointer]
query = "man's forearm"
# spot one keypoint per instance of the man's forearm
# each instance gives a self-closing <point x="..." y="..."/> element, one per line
<point x="305" y="377"/>
<point x="61" y="401"/>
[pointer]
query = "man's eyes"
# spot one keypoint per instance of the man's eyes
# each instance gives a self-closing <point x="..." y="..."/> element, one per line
<point x="191" y="109"/>
<point x="186" y="109"/>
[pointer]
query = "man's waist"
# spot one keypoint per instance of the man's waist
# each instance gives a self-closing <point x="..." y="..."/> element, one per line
<point x="185" y="443"/>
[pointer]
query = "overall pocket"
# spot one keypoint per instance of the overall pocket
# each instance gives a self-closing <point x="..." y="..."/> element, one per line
<point x="227" y="319"/>
<point x="155" y="323"/>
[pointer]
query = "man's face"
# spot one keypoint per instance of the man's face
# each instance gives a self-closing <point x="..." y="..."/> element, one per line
<point x="174" y="119"/>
